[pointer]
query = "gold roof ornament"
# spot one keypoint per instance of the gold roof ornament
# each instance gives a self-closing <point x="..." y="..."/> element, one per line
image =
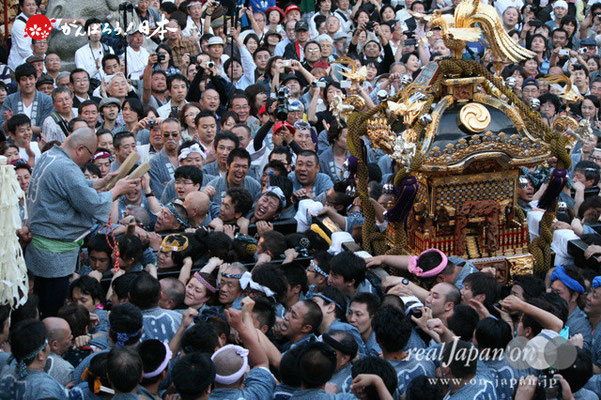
<point x="568" y="92"/>
<point x="380" y="134"/>
<point x="341" y="107"/>
<point x="474" y="117"/>
<point x="460" y="29"/>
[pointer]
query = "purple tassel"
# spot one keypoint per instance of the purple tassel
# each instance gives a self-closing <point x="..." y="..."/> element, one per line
<point x="352" y="163"/>
<point x="405" y="196"/>
<point x="554" y="188"/>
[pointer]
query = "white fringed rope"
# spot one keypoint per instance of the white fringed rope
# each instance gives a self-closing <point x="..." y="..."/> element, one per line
<point x="13" y="272"/>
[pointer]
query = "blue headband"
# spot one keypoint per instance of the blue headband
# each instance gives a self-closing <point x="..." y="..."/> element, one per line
<point x="319" y="270"/>
<point x="231" y="276"/>
<point x="596" y="282"/>
<point x="310" y="295"/>
<point x="123" y="337"/>
<point x="21" y="367"/>
<point x="560" y="273"/>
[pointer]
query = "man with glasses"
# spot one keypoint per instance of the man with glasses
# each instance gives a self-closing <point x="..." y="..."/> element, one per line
<point x="188" y="178"/>
<point x="240" y="105"/>
<point x="58" y="193"/>
<point x="164" y="163"/>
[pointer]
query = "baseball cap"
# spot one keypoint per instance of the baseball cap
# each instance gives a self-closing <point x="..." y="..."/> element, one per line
<point x="529" y="82"/>
<point x="321" y="64"/>
<point x="292" y="7"/>
<point x="109" y="101"/>
<point x="273" y="33"/>
<point x="34" y="58"/>
<point x="44" y="78"/>
<point x="288" y="77"/>
<point x="301" y="26"/>
<point x="215" y="40"/>
<point x="217" y="23"/>
<point x="280" y="124"/>
<point x="588" y="42"/>
<point x="340" y="35"/>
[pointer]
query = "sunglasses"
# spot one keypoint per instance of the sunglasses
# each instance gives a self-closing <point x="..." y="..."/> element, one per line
<point x="172" y="134"/>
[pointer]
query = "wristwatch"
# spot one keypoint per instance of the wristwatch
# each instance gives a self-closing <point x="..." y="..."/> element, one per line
<point x="405" y="281"/>
<point x="149" y="194"/>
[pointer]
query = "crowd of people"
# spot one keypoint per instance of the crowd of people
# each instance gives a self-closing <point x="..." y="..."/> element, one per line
<point x="207" y="278"/>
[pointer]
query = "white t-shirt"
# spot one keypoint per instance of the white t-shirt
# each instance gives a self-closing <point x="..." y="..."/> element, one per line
<point x="36" y="150"/>
<point x="27" y="110"/>
<point x="136" y="62"/>
<point x="85" y="58"/>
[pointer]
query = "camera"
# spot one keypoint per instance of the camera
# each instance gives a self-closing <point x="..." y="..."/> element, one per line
<point x="410" y="42"/>
<point x="151" y="124"/>
<point x="281" y="112"/>
<point x="173" y="113"/>
<point x="126" y="6"/>
<point x="536" y="23"/>
<point x="210" y="65"/>
<point x="286" y="63"/>
<point x="319" y="83"/>
<point x="370" y="26"/>
<point x="549" y="383"/>
<point x="160" y="57"/>
<point x="583" y="50"/>
<point x="412" y="306"/>
<point x="564" y="52"/>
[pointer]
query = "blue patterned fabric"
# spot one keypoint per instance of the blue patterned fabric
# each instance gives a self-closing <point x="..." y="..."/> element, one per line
<point x="160" y="324"/>
<point x="36" y="385"/>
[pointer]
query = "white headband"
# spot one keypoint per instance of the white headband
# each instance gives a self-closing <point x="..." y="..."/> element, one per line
<point x="246" y="280"/>
<point x="228" y="380"/>
<point x="163" y="365"/>
<point x="277" y="191"/>
<point x="195" y="148"/>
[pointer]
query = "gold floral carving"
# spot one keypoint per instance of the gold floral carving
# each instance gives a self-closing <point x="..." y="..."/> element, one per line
<point x="520" y="265"/>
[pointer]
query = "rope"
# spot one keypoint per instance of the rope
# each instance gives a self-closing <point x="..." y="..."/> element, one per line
<point x="376" y="242"/>
<point x="114" y="247"/>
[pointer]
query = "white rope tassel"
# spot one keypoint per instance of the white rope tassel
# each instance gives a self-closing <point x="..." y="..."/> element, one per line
<point x="13" y="271"/>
